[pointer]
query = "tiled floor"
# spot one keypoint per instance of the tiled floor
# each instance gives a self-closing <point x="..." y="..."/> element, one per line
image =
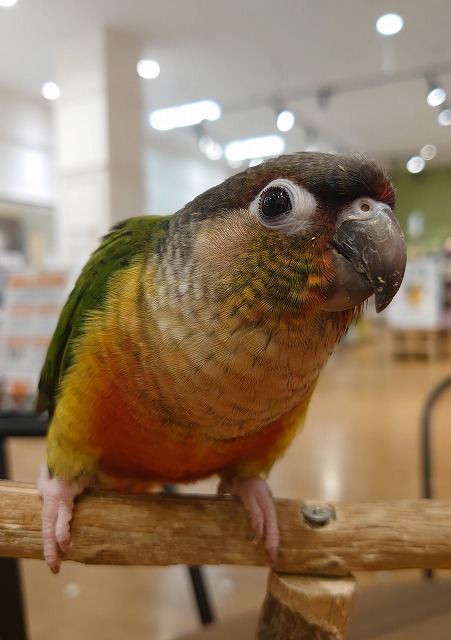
<point x="361" y="442"/>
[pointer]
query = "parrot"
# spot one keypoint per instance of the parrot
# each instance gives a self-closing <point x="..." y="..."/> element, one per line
<point x="191" y="344"/>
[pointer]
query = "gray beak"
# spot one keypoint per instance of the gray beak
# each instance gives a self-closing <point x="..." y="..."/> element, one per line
<point x="369" y="256"/>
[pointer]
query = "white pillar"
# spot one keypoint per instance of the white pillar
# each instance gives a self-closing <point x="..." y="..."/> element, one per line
<point x="98" y="140"/>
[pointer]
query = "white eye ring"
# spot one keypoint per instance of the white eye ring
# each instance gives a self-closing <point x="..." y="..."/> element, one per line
<point x="299" y="205"/>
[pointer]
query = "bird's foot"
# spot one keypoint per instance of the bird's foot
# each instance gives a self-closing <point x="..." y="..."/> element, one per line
<point x="257" y="500"/>
<point x="58" y="497"/>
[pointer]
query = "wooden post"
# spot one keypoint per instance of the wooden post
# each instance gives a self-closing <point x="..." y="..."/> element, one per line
<point x="305" y="608"/>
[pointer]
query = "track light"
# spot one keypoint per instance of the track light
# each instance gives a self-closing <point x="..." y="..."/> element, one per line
<point x="444" y="117"/>
<point x="436" y="97"/>
<point x="428" y="151"/>
<point x="416" y="164"/>
<point x="436" y="94"/>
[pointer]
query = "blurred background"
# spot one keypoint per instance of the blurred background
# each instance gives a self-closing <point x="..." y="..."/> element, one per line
<point x="110" y="109"/>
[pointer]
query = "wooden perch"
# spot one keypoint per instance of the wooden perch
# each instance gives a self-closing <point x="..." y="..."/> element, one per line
<point x="157" y="529"/>
<point x="305" y="607"/>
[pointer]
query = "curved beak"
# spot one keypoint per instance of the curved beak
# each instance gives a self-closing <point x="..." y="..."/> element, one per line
<point x="369" y="255"/>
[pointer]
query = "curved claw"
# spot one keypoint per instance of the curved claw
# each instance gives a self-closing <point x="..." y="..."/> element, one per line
<point x="257" y="500"/>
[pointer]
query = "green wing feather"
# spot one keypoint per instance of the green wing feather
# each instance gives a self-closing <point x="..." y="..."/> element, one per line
<point x="125" y="240"/>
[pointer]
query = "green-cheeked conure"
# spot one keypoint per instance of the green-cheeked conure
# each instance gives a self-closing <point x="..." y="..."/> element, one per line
<point x="191" y="344"/>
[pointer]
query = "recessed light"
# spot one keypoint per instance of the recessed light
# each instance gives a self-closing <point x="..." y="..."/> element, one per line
<point x="50" y="91"/>
<point x="389" y="24"/>
<point x="148" y="69"/>
<point x="7" y="3"/>
<point x="285" y="120"/>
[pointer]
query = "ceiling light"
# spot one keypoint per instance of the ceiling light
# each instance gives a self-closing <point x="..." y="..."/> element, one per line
<point x="50" y="91"/>
<point x="416" y="164"/>
<point x="186" y="115"/>
<point x="210" y="148"/>
<point x="389" y="24"/>
<point x="436" y="96"/>
<point x="285" y="120"/>
<point x="7" y="3"/>
<point x="148" y="69"/>
<point x="261" y="147"/>
<point x="428" y="152"/>
<point x="444" y="117"/>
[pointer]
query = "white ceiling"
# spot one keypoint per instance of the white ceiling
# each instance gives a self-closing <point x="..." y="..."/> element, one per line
<point x="247" y="53"/>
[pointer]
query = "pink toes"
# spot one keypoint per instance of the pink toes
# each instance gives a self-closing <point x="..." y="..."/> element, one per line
<point x="257" y="500"/>
<point x="58" y="502"/>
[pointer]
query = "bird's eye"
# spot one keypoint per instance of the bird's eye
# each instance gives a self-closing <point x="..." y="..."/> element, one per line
<point x="284" y="206"/>
<point x="275" y="202"/>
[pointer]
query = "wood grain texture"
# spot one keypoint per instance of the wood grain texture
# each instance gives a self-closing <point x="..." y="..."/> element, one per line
<point x="157" y="529"/>
<point x="305" y="608"/>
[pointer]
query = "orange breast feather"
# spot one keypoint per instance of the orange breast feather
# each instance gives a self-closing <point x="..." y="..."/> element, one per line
<point x="129" y="436"/>
<point x="111" y="420"/>
<point x="143" y="445"/>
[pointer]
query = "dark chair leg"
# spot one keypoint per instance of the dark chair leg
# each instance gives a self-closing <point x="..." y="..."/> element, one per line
<point x="200" y="591"/>
<point x="12" y="618"/>
<point x="426" y="458"/>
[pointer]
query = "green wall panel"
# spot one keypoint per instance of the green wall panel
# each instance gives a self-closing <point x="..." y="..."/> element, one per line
<point x="430" y="193"/>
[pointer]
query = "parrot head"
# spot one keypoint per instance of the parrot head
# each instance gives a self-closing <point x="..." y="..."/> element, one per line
<point x="301" y="232"/>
